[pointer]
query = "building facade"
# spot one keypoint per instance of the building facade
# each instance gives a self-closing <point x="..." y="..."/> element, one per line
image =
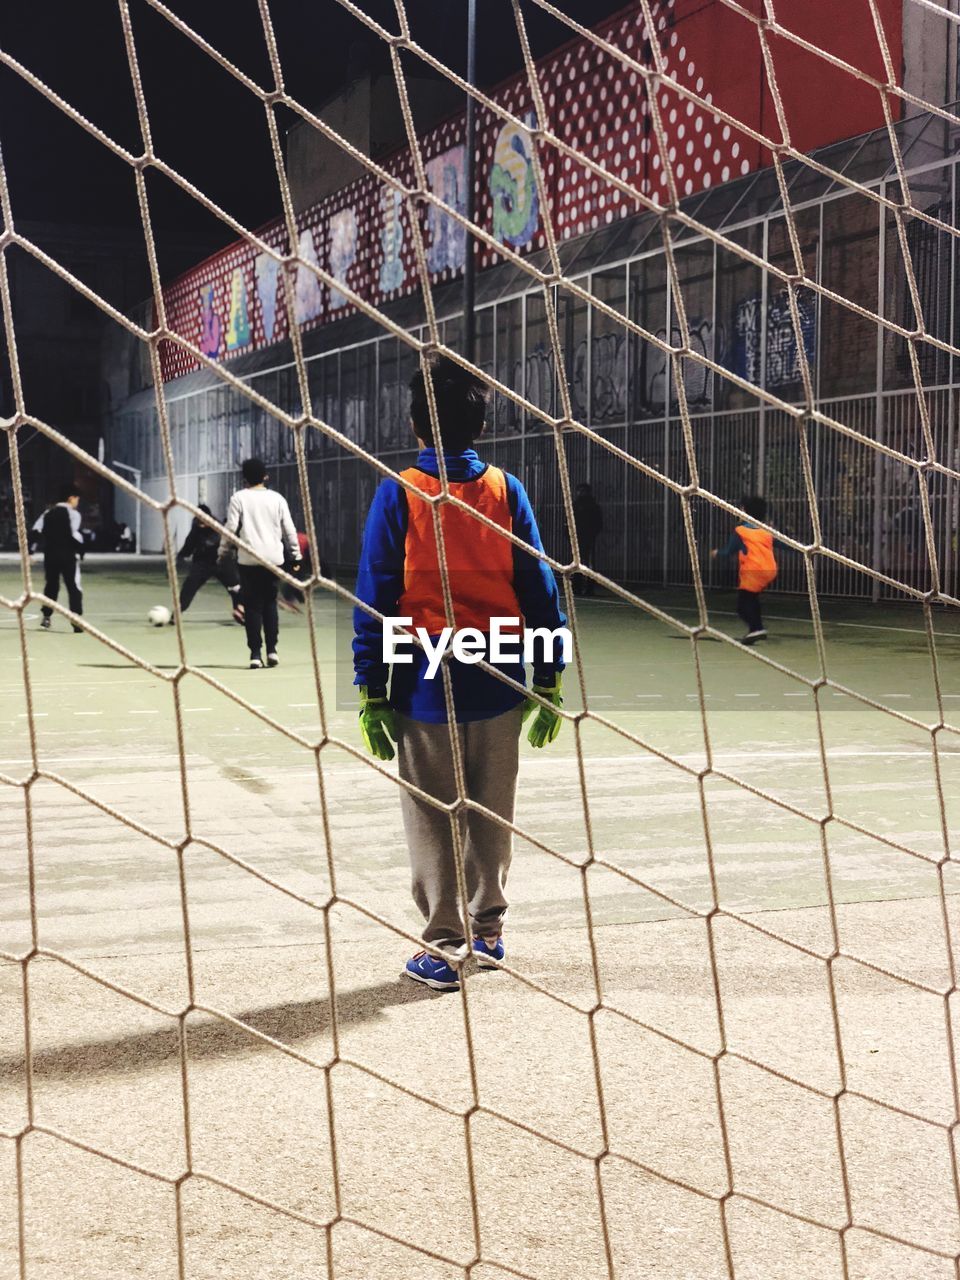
<point x="621" y="386"/>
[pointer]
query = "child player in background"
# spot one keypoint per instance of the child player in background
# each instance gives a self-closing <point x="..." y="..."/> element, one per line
<point x="60" y="530"/>
<point x="291" y="598"/>
<point x="489" y="577"/>
<point x="200" y="547"/>
<point x="757" y="566"/>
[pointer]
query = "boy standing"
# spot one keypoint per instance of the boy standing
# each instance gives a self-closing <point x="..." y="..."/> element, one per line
<point x="59" y="526"/>
<point x="489" y="577"/>
<point x="757" y="566"/>
<point x="264" y="522"/>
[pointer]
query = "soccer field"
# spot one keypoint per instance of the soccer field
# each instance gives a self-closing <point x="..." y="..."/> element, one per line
<point x="646" y="1151"/>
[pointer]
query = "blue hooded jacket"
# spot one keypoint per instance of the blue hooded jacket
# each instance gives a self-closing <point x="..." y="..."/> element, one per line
<point x="380" y="583"/>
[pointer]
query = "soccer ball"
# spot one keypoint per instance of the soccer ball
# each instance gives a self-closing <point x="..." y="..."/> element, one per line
<point x="158" y="616"/>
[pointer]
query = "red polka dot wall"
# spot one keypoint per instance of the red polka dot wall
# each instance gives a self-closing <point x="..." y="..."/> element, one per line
<point x="611" y="122"/>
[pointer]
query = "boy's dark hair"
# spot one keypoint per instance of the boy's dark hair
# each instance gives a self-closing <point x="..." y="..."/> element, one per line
<point x="68" y="491"/>
<point x="755" y="507"/>
<point x="254" y="470"/>
<point x="461" y="400"/>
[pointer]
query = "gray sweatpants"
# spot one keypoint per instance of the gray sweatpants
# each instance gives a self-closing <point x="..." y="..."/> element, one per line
<point x="490" y="753"/>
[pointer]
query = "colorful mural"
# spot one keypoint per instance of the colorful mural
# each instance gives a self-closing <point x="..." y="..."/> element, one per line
<point x="238" y="328"/>
<point x="343" y="250"/>
<point x="447" y="238"/>
<point x="265" y="272"/>
<point x="592" y="102"/>
<point x="513" y="188"/>
<point x="392" y="270"/>
<point x="308" y="299"/>
<point x="209" y="323"/>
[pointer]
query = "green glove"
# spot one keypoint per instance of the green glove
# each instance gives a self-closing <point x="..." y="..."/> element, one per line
<point x="377" y="719"/>
<point x="547" y="723"/>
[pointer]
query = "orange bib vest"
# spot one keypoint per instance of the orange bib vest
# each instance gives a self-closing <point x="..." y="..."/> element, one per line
<point x="758" y="567"/>
<point x="479" y="560"/>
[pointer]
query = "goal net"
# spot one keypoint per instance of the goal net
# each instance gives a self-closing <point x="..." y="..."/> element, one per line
<point x="691" y="288"/>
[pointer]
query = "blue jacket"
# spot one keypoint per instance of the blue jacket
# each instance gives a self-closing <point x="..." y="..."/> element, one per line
<point x="380" y="582"/>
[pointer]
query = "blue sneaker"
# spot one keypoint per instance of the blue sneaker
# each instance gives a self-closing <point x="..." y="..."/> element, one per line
<point x="486" y="954"/>
<point x="432" y="972"/>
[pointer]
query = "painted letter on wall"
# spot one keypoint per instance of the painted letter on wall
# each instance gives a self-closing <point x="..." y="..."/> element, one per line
<point x="445" y="176"/>
<point x="516" y="210"/>
<point x="309" y="296"/>
<point x="391" y="238"/>
<point x="265" y="270"/>
<point x="209" y="323"/>
<point x="343" y="250"/>
<point x="238" y="330"/>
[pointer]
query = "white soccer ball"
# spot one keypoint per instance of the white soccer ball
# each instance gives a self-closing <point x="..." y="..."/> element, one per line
<point x="158" y="616"/>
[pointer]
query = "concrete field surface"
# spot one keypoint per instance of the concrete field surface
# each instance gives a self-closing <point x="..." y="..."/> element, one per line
<point x="691" y="1068"/>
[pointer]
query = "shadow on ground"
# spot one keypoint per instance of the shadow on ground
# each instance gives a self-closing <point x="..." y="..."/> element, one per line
<point x="212" y="1038"/>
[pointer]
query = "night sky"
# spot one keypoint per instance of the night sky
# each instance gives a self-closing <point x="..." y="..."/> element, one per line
<point x="204" y="123"/>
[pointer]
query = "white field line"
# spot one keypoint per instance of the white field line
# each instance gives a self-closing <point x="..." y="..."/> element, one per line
<point x="783" y="617"/>
<point x="94" y="728"/>
<point x="527" y="762"/>
<point x="128" y="760"/>
<point x="123" y="673"/>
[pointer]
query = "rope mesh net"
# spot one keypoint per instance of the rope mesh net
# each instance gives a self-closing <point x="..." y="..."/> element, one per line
<point x="795" y="280"/>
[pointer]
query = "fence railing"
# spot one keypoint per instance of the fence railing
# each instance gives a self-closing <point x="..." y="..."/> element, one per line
<point x="869" y="506"/>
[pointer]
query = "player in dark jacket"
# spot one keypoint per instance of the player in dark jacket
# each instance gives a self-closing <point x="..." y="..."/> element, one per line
<point x="290" y="598"/>
<point x="588" y="517"/>
<point x="202" y="544"/>
<point x="59" y="529"/>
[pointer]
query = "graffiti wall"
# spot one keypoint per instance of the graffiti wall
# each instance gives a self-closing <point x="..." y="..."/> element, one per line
<point x="707" y="340"/>
<point x="782" y="367"/>
<point x="236" y="301"/>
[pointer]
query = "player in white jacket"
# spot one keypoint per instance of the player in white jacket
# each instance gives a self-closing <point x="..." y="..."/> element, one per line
<point x="262" y="519"/>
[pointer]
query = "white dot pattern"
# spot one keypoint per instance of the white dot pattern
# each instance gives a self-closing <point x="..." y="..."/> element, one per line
<point x="594" y="104"/>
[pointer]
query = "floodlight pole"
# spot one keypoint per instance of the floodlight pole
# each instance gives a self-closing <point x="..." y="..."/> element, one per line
<point x="469" y="177"/>
<point x="137" y="476"/>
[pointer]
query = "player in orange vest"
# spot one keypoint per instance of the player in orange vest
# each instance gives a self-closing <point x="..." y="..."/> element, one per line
<point x="489" y="577"/>
<point x="757" y="566"/>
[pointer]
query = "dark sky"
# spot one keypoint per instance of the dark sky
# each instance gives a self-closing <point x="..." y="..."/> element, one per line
<point x="204" y="123"/>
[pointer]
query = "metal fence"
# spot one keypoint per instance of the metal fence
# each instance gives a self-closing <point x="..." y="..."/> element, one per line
<point x="621" y="386"/>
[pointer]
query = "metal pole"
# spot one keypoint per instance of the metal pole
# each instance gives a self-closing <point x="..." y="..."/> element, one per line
<point x="137" y="477"/>
<point x="876" y="551"/>
<point x="760" y="462"/>
<point x="469" y="174"/>
<point x="667" y="396"/>
<point x="950" y="485"/>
